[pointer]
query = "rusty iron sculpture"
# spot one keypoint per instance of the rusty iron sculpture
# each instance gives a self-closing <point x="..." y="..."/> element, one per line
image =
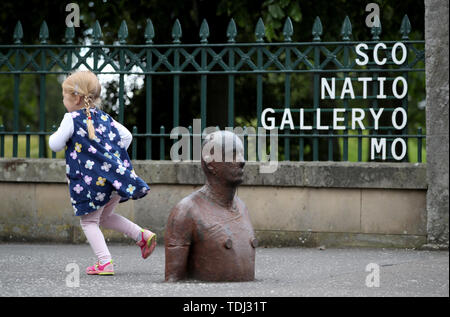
<point x="209" y="236"/>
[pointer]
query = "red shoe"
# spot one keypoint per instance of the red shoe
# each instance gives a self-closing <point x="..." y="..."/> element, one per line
<point x="147" y="246"/>
<point x="97" y="269"/>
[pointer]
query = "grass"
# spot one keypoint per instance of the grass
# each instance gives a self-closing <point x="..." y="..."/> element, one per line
<point x="22" y="145"/>
<point x="352" y="148"/>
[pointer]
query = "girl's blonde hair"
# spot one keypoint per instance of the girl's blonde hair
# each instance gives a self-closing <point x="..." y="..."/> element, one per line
<point x="85" y="84"/>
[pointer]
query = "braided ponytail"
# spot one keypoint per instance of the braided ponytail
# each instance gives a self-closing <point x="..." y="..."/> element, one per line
<point x="85" y="84"/>
<point x="90" y="125"/>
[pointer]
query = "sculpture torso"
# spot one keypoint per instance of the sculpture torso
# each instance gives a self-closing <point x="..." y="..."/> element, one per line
<point x="221" y="241"/>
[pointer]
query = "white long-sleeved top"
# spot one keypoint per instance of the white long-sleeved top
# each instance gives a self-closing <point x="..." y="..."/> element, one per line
<point x="58" y="140"/>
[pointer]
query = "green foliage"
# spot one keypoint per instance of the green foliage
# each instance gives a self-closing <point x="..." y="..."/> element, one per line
<point x="273" y="14"/>
<point x="162" y="22"/>
<point x="29" y="102"/>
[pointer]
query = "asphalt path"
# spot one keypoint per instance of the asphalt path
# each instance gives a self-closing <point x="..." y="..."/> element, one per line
<point x="35" y="270"/>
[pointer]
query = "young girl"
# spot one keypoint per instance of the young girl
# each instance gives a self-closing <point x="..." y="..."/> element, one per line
<point x="98" y="169"/>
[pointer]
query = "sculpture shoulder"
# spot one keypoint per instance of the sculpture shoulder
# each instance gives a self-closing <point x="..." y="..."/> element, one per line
<point x="240" y="201"/>
<point x="241" y="204"/>
<point x="185" y="208"/>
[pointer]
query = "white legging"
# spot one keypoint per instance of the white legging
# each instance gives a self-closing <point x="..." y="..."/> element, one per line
<point x="106" y="218"/>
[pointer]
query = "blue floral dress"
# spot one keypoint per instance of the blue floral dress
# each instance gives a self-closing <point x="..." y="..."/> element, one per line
<point x="96" y="168"/>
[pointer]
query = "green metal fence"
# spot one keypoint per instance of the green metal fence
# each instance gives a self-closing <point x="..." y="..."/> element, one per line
<point x="287" y="58"/>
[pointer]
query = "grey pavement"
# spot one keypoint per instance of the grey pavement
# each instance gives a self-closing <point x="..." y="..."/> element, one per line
<point x="40" y="270"/>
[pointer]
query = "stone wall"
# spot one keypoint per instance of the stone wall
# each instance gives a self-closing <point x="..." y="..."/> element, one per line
<point x="301" y="204"/>
<point x="437" y="93"/>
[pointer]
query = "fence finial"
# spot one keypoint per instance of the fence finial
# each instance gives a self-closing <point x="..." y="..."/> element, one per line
<point x="231" y="31"/>
<point x="204" y="32"/>
<point x="317" y="29"/>
<point x="260" y="31"/>
<point x="405" y="28"/>
<point x="149" y="32"/>
<point x="123" y="32"/>
<point x="376" y="28"/>
<point x="69" y="34"/>
<point x="43" y="33"/>
<point x="176" y="32"/>
<point x="346" y="30"/>
<point x="18" y="33"/>
<point x="288" y="30"/>
<point x="97" y="33"/>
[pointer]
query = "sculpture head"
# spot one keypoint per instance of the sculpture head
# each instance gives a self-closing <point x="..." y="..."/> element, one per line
<point x="223" y="158"/>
